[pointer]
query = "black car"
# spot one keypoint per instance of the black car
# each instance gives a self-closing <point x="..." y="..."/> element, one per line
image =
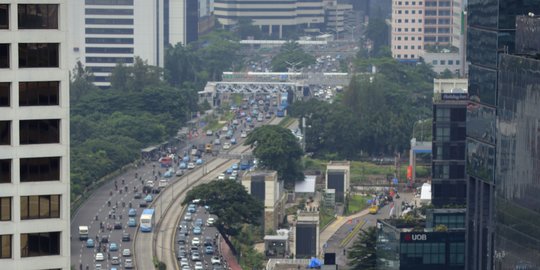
<point x="137" y="196"/>
<point x="181" y="239"/>
<point x="117" y="226"/>
<point x="181" y="254"/>
<point x="126" y="237"/>
<point x="143" y="204"/>
<point x="104" y="239"/>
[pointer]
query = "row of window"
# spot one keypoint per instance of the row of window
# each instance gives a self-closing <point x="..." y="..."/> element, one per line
<point x="441" y="3"/>
<point x="444" y="30"/>
<point x="407" y="38"/>
<point x="31" y="93"/>
<point x="439" y="12"/>
<point x="407" y="20"/>
<point x="32" y="244"/>
<point x="439" y="21"/>
<point x="32" y="55"/>
<point x="407" y="29"/>
<point x="32" y="169"/>
<point x="436" y="39"/>
<point x="406" y="3"/>
<point x="32" y="131"/>
<point x="407" y="12"/>
<point x="32" y="207"/>
<point x="406" y="47"/>
<point x="405" y="56"/>
<point x="445" y="62"/>
<point x="31" y="16"/>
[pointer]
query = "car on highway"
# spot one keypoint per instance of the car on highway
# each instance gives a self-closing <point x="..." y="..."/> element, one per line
<point x="183" y="225"/>
<point x="100" y="257"/>
<point x="209" y="250"/>
<point x="209" y="132"/>
<point x="233" y="140"/>
<point x="90" y="243"/>
<point x="188" y="217"/>
<point x="199" y="222"/>
<point x="243" y="135"/>
<point x="199" y="266"/>
<point x="115" y="260"/>
<point x="98" y="266"/>
<point x="148" y="198"/>
<point x="226" y="146"/>
<point x="207" y="241"/>
<point x="126" y="237"/>
<point x="199" y="161"/>
<point x="195" y="256"/>
<point x="215" y="260"/>
<point x="182" y="165"/>
<point x="217" y="142"/>
<point x="192" y="208"/>
<point x="104" y="239"/>
<point x="137" y="195"/>
<point x="131" y="222"/>
<point x="195" y="241"/>
<point x="132" y="212"/>
<point x="210" y="221"/>
<point x="184" y="262"/>
<point x="191" y="165"/>
<point x="197" y="230"/>
<point x="232" y="177"/>
<point x="113" y="246"/>
<point x="373" y="209"/>
<point x="143" y="204"/>
<point x="181" y="253"/>
<point x="117" y="225"/>
<point x="225" y="129"/>
<point x="235" y="166"/>
<point x="126" y="252"/>
<point x="128" y="263"/>
<point x="179" y="172"/>
<point x="181" y="239"/>
<point x="221" y="177"/>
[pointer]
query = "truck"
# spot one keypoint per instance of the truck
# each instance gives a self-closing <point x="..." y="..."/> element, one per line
<point x="162" y="183"/>
<point x="83" y="233"/>
<point x="208" y="148"/>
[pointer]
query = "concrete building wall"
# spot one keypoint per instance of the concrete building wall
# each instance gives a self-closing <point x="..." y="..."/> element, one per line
<point x="407" y="32"/>
<point x="442" y="61"/>
<point x="16" y="150"/>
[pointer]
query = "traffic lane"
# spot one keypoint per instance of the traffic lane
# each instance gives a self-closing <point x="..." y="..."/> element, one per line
<point x="207" y="231"/>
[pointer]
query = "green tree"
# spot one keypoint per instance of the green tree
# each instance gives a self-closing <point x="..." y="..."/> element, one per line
<point x="182" y="65"/>
<point x="446" y="74"/>
<point x="362" y="254"/>
<point x="80" y="82"/>
<point x="120" y="78"/>
<point x="277" y="149"/>
<point x="377" y="31"/>
<point x="291" y="55"/>
<point x="246" y="29"/>
<point x="230" y="202"/>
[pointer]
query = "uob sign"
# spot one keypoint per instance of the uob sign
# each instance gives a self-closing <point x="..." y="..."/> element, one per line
<point x="416" y="237"/>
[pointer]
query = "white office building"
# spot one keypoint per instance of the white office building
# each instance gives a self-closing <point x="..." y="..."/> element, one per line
<point x="274" y="17"/>
<point x="34" y="135"/>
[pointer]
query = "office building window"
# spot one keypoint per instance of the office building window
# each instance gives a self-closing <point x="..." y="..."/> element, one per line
<point x="5" y="208"/>
<point x="37" y="16"/>
<point x="399" y="56"/>
<point x="407" y="12"/>
<point x="5" y="246"/>
<point x="412" y="47"/>
<point x="4" y="55"/>
<point x="4" y="16"/>
<point x="457" y="62"/>
<point x="428" y="253"/>
<point x="40" y="244"/>
<point x="38" y="55"/>
<point x="457" y="253"/>
<point x="450" y="62"/>
<point x="406" y="47"/>
<point x="434" y="62"/>
<point x="443" y="62"/>
<point x="39" y="93"/>
<point x="40" y="169"/>
<point x="38" y="207"/>
<point x="441" y="114"/>
<point x="5" y="171"/>
<point x="412" y="55"/>
<point x="39" y="131"/>
<point x="5" y="132"/>
<point x="109" y="2"/>
<point x="419" y="47"/>
<point x="5" y="94"/>
<point x="442" y="133"/>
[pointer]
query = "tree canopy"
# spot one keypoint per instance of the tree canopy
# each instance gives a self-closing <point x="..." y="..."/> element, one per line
<point x="362" y="254"/>
<point x="230" y="201"/>
<point x="277" y="148"/>
<point x="291" y="54"/>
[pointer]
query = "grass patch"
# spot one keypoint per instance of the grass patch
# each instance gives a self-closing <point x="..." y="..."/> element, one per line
<point x="326" y="216"/>
<point x="356" y="204"/>
<point x="314" y="164"/>
<point x="236" y="98"/>
<point x="286" y="121"/>
<point x="214" y="124"/>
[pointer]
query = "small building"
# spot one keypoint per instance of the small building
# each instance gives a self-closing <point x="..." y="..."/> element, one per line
<point x="277" y="246"/>
<point x="306" y="187"/>
<point x="338" y="177"/>
<point x="306" y="234"/>
<point x="265" y="186"/>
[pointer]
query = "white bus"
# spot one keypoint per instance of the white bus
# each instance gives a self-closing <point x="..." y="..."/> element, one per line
<point x="147" y="220"/>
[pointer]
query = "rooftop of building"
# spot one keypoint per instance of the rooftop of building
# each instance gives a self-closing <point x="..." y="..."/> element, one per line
<point x="262" y="172"/>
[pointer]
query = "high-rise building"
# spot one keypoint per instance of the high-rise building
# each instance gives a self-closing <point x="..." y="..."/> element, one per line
<point x="104" y="33"/>
<point x="495" y="188"/>
<point x="407" y="33"/>
<point x="273" y="17"/>
<point x="34" y="135"/>
<point x="449" y="186"/>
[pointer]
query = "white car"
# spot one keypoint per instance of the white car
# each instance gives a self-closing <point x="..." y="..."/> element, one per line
<point x="191" y="165"/>
<point x="210" y="221"/>
<point x="100" y="257"/>
<point x="226" y="146"/>
<point x="128" y="264"/>
<point x="215" y="260"/>
<point x="184" y="262"/>
<point x="126" y="252"/>
<point x="221" y="177"/>
<point x="115" y="260"/>
<point x="195" y="241"/>
<point x="234" y="173"/>
<point x="199" y="266"/>
<point x="208" y="133"/>
<point x="225" y="128"/>
<point x="243" y="135"/>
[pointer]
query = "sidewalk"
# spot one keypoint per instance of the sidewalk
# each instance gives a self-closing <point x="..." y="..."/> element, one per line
<point x="228" y="256"/>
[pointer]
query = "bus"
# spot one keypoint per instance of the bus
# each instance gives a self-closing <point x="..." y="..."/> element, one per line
<point x="147" y="220"/>
<point x="280" y="112"/>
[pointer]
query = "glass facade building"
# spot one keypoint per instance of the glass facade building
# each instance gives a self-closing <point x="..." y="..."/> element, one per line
<point x="491" y="34"/>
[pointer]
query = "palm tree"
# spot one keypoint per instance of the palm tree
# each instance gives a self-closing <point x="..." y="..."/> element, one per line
<point x="362" y="254"/>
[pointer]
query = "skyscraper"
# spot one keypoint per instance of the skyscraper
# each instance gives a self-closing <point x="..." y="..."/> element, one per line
<point x="34" y="135"/>
<point x="491" y="33"/>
